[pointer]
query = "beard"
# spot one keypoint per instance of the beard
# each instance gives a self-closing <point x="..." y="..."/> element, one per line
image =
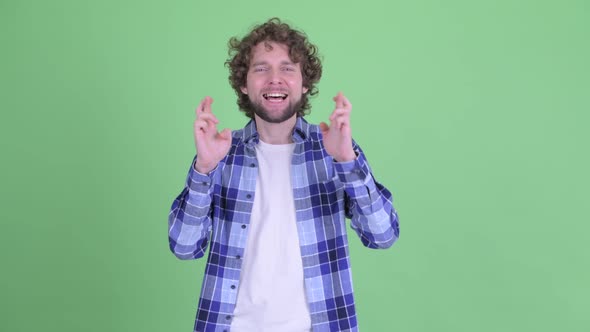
<point x="283" y="116"/>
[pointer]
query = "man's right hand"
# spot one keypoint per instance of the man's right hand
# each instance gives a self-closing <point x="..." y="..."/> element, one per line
<point x="211" y="145"/>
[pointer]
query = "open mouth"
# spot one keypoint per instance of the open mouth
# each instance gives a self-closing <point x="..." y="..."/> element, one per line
<point x="275" y="96"/>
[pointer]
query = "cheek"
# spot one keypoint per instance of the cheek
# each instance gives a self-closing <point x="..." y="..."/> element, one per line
<point x="249" y="87"/>
<point x="254" y="83"/>
<point x="295" y="81"/>
<point x="300" y="81"/>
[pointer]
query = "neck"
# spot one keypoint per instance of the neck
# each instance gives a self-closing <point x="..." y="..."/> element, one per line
<point x="276" y="133"/>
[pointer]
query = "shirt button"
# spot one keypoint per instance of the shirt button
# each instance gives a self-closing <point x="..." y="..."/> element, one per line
<point x="243" y="226"/>
<point x="252" y="165"/>
<point x="238" y="257"/>
<point x="233" y="287"/>
<point x="248" y="196"/>
<point x="228" y="317"/>
<point x="205" y="183"/>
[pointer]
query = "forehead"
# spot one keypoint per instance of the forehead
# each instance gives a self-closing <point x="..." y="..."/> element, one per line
<point x="269" y="50"/>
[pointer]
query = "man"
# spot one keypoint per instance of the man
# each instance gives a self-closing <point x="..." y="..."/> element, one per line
<point x="270" y="200"/>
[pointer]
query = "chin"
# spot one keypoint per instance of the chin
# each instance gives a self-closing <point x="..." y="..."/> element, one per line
<point x="279" y="116"/>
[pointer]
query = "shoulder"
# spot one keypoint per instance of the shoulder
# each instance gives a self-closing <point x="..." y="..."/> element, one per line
<point x="307" y="131"/>
<point x="314" y="132"/>
<point x="237" y="135"/>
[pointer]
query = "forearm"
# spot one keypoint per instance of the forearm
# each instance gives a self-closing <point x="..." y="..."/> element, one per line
<point x="369" y="204"/>
<point x="189" y="221"/>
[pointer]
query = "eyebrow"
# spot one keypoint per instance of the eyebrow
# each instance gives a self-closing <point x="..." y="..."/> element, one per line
<point x="261" y="63"/>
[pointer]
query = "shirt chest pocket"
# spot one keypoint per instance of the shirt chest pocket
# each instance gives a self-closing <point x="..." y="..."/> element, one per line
<point x="320" y="171"/>
<point x="323" y="178"/>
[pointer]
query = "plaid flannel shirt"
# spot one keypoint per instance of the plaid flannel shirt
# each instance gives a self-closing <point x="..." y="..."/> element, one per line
<point x="214" y="210"/>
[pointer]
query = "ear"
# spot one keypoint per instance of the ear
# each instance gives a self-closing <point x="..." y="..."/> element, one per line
<point x="244" y="90"/>
<point x="305" y="89"/>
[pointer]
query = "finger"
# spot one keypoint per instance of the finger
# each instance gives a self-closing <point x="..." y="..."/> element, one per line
<point x="205" y="105"/>
<point x="200" y="108"/>
<point x="206" y="122"/>
<point x="345" y="102"/>
<point x="208" y="102"/>
<point x="340" y="112"/>
<point x="324" y="127"/>
<point x="341" y="121"/>
<point x="225" y="134"/>
<point x="202" y="126"/>
<point x="340" y="116"/>
<point x="208" y="117"/>
<point x="339" y="101"/>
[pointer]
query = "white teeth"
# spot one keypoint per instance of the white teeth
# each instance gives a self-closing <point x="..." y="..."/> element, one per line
<point x="275" y="95"/>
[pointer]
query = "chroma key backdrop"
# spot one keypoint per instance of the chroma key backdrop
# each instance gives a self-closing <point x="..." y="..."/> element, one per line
<point x="475" y="114"/>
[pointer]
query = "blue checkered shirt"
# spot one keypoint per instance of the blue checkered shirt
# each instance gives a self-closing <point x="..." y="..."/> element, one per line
<point x="214" y="210"/>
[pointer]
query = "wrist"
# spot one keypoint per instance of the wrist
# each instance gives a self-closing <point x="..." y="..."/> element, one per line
<point x="346" y="157"/>
<point x="203" y="168"/>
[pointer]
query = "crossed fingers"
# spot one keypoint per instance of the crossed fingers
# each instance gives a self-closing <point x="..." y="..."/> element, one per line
<point x="340" y="118"/>
<point x="205" y="122"/>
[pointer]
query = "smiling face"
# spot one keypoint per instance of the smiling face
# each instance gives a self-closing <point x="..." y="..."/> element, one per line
<point x="274" y="83"/>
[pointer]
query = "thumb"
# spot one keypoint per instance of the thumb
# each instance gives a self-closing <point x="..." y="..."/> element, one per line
<point x="225" y="133"/>
<point x="324" y="127"/>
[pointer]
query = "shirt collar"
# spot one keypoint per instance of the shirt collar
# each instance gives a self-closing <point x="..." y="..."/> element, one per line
<point x="300" y="132"/>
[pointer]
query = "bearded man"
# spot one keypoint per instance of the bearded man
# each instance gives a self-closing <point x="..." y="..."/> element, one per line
<point x="271" y="200"/>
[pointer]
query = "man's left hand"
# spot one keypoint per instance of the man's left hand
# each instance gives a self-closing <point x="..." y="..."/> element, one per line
<point x="337" y="136"/>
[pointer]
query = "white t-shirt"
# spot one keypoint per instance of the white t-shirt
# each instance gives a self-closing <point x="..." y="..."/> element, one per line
<point x="271" y="293"/>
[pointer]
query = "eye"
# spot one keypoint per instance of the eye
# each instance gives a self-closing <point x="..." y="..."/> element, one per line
<point x="259" y="69"/>
<point x="288" y="68"/>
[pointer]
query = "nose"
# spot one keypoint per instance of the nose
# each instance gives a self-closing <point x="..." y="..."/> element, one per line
<point x="275" y="77"/>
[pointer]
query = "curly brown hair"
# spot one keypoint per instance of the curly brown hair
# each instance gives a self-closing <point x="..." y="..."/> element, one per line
<point x="300" y="51"/>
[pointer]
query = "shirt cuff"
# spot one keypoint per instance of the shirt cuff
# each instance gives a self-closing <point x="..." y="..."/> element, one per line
<point x="354" y="172"/>
<point x="199" y="182"/>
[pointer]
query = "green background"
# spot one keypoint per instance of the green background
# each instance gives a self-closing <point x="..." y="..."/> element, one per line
<point x="473" y="113"/>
